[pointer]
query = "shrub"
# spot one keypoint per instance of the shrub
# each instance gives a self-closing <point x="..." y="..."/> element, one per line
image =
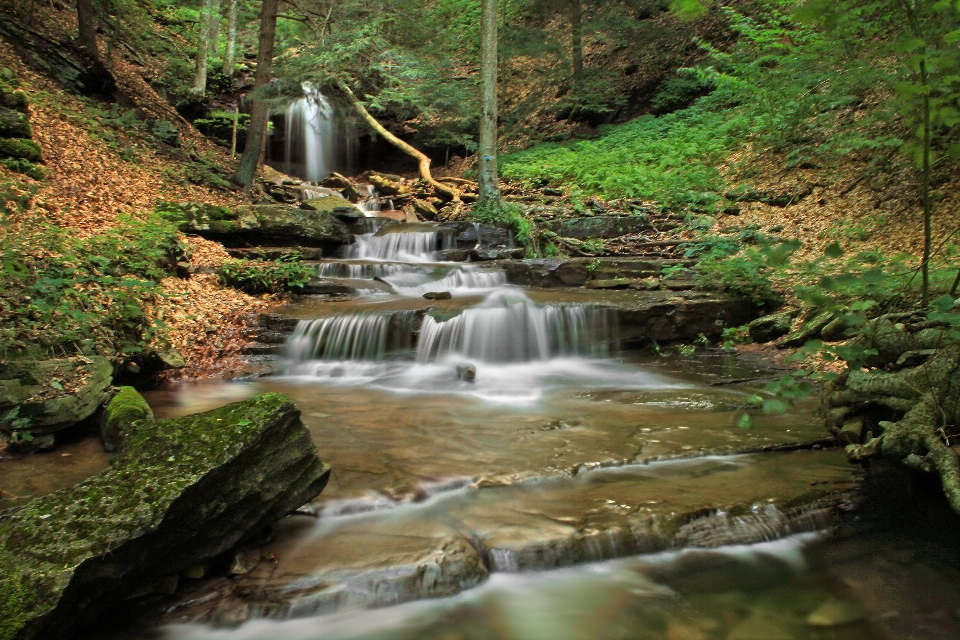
<point x="507" y="215"/>
<point x="264" y="277"/>
<point x="25" y="167"/>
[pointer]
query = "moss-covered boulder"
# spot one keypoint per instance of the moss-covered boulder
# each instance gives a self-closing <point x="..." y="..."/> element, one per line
<point x="13" y="124"/>
<point x="123" y="410"/>
<point x="773" y="326"/>
<point x="267" y="225"/>
<point x="180" y="492"/>
<point x="332" y="204"/>
<point x="21" y="148"/>
<point x="41" y="397"/>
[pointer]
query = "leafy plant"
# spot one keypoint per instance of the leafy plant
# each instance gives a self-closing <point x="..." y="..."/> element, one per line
<point x="264" y="277"/>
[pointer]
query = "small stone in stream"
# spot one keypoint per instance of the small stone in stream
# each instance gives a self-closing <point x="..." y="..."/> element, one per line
<point x="466" y="372"/>
<point x="438" y="295"/>
<point x="834" y="612"/>
<point x="243" y="561"/>
<point x="195" y="572"/>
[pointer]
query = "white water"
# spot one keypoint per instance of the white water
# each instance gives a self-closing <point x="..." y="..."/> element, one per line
<point x="358" y="336"/>
<point x="508" y="327"/>
<point x="310" y="135"/>
<point x="415" y="246"/>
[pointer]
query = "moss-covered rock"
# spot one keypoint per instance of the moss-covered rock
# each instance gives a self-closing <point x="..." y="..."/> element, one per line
<point x="268" y="224"/>
<point x="181" y="492"/>
<point x="123" y="410"/>
<point x="25" y="167"/>
<point x="21" y="148"/>
<point x="772" y="326"/>
<point x="46" y="396"/>
<point x="331" y="204"/>
<point x="13" y="124"/>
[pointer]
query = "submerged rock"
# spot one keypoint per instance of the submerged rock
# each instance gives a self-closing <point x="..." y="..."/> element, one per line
<point x="833" y="613"/>
<point x="180" y="492"/>
<point x="467" y="372"/>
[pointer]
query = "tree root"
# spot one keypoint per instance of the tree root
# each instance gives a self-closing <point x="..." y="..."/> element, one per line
<point x="926" y="399"/>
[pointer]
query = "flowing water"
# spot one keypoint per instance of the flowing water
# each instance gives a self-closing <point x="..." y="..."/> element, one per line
<point x="564" y="490"/>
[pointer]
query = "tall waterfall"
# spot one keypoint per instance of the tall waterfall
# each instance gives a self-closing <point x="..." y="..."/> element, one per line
<point x="310" y="136"/>
<point x="508" y="327"/>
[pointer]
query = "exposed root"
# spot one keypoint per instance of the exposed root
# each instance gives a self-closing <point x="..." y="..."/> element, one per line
<point x="906" y="415"/>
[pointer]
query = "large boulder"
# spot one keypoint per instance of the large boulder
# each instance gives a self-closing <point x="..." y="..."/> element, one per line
<point x="180" y="492"/>
<point x="45" y="396"/>
<point x="268" y="225"/>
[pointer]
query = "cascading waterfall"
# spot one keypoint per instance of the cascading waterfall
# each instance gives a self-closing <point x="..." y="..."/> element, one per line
<point x="419" y="246"/>
<point x="310" y="135"/>
<point x="463" y="278"/>
<point x="508" y="327"/>
<point x="356" y="336"/>
<point x="362" y="271"/>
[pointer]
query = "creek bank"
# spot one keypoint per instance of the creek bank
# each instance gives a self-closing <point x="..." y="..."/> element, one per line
<point x="180" y="493"/>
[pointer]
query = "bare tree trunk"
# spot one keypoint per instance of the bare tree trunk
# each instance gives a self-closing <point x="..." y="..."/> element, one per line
<point x="576" y="33"/>
<point x="422" y="158"/>
<point x="233" y="134"/>
<point x="213" y="39"/>
<point x="87" y="28"/>
<point x="488" y="179"/>
<point x="200" y="77"/>
<point x="259" y="111"/>
<point x="230" y="52"/>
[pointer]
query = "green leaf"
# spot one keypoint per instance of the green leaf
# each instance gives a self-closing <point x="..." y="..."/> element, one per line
<point x="56" y="385"/>
<point x="243" y="422"/>
<point x="745" y="422"/>
<point x="833" y="250"/>
<point x="774" y="405"/>
<point x="944" y="303"/>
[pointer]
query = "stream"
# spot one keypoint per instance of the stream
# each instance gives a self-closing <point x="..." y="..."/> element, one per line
<point x="502" y="470"/>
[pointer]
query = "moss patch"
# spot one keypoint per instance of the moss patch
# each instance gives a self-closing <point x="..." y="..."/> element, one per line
<point x="124" y="409"/>
<point x="20" y="148"/>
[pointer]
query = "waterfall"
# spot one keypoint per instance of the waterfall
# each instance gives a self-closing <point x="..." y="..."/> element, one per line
<point x="419" y="246"/>
<point x="458" y="279"/>
<point x="310" y="136"/>
<point x="508" y="327"/>
<point x="355" y="336"/>
<point x="362" y="271"/>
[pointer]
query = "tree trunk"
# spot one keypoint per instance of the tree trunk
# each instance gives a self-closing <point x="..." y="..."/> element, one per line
<point x="87" y="27"/>
<point x="230" y="52"/>
<point x="488" y="179"/>
<point x="576" y="33"/>
<point x="259" y="111"/>
<point x="213" y="39"/>
<point x="200" y="77"/>
<point x="422" y="158"/>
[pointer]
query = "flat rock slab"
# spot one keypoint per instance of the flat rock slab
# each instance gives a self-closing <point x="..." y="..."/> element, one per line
<point x="270" y="225"/>
<point x="180" y="492"/>
<point x="451" y="542"/>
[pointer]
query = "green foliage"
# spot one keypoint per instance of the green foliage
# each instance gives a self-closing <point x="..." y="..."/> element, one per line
<point x="164" y="131"/>
<point x="60" y="292"/>
<point x="745" y="272"/>
<point x="679" y="92"/>
<point x="182" y="212"/>
<point x="25" y="167"/>
<point x="264" y="277"/>
<point x="219" y="126"/>
<point x="21" y="148"/>
<point x="505" y="214"/>
<point x="669" y="159"/>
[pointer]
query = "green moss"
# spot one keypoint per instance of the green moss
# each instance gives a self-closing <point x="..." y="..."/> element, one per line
<point x="43" y="543"/>
<point x="20" y="148"/>
<point x="124" y="409"/>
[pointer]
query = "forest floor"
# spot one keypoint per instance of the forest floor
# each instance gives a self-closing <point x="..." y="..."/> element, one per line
<point x="89" y="185"/>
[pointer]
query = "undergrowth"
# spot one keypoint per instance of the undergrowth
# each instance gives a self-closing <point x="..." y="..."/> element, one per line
<point x="63" y="295"/>
<point x="264" y="277"/>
